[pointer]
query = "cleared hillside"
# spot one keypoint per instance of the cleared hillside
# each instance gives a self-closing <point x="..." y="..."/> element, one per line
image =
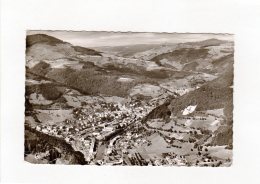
<point x="36" y="44"/>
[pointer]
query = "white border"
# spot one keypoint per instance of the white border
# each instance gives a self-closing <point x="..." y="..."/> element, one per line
<point x="220" y="16"/>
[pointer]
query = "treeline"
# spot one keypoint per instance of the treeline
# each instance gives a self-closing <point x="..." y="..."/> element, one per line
<point x="224" y="63"/>
<point x="205" y="98"/>
<point x="184" y="55"/>
<point x="42" y="38"/>
<point x="94" y="82"/>
<point x="139" y="70"/>
<point x="38" y="142"/>
<point x="41" y="68"/>
<point x="190" y="66"/>
<point x="224" y="136"/>
<point x="212" y="95"/>
<point x="91" y="81"/>
<point x="162" y="111"/>
<point x="49" y="91"/>
<point x="86" y="51"/>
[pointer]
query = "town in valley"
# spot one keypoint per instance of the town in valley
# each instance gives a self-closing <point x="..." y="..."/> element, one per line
<point x="126" y="98"/>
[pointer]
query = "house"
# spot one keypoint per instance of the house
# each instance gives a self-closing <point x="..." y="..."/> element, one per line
<point x="108" y="129"/>
<point x="48" y="128"/>
<point x="45" y="131"/>
<point x="67" y="139"/>
<point x="95" y="133"/>
<point x="38" y="128"/>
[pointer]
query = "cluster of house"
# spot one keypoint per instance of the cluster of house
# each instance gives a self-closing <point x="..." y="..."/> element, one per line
<point x="89" y="126"/>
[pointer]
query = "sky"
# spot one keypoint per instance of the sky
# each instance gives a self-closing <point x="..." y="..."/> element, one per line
<point x="100" y="39"/>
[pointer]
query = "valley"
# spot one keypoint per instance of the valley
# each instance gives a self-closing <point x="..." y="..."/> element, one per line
<point x="144" y="104"/>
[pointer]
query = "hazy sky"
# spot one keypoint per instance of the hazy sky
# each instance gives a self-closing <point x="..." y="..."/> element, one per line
<point x="97" y="39"/>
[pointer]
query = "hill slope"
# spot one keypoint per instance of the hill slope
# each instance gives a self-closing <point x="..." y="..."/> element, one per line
<point x="41" y="46"/>
<point x="218" y="93"/>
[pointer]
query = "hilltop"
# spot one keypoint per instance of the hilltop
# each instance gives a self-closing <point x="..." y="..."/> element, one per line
<point x="42" y="38"/>
<point x="42" y="46"/>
